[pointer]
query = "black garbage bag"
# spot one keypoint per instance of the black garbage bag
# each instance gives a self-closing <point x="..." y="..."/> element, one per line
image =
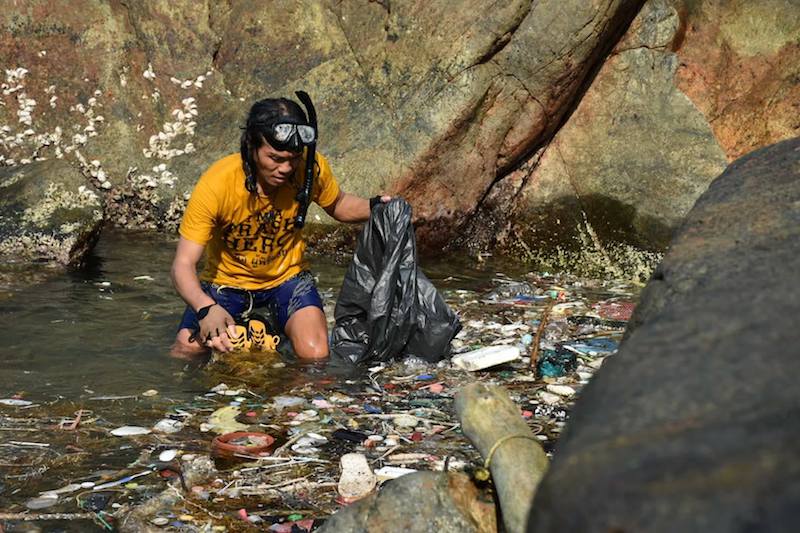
<point x="387" y="307"/>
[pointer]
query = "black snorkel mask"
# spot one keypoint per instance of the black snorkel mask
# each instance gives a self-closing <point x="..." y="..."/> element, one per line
<point x="301" y="132"/>
<point x="290" y="135"/>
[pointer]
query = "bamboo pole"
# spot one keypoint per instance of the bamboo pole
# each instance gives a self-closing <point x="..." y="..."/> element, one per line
<point x="492" y="422"/>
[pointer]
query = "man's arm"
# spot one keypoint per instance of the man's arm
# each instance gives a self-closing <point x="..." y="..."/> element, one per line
<point x="184" y="274"/>
<point x="184" y="277"/>
<point x="351" y="208"/>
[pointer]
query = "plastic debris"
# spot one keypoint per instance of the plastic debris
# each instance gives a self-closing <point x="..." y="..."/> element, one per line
<point x="378" y="320"/>
<point x="397" y="415"/>
<point x="486" y="357"/>
<point x="41" y="502"/>
<point x="351" y="436"/>
<point x="13" y="402"/>
<point x="357" y="479"/>
<point x="286" y="402"/>
<point x="549" y="398"/>
<point x="295" y="526"/>
<point x="129" y="431"/>
<point x="72" y="487"/>
<point x="405" y="421"/>
<point x="242" y="444"/>
<point x="307" y="444"/>
<point x="561" y="390"/>
<point x="223" y="390"/>
<point x="167" y="425"/>
<point x="392" y="472"/>
<point x="167" y="455"/>
<point x="122" y="481"/>
<point x="223" y="420"/>
<point x="556" y="363"/>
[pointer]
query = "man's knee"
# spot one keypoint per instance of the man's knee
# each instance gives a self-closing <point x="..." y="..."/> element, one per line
<point x="306" y="348"/>
<point x="308" y="332"/>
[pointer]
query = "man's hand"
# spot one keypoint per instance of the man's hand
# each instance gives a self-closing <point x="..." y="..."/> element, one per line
<point x="351" y="208"/>
<point x="375" y="200"/>
<point x="216" y="328"/>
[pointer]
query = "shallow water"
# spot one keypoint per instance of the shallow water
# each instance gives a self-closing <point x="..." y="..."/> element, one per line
<point x="100" y="331"/>
<point x="95" y="339"/>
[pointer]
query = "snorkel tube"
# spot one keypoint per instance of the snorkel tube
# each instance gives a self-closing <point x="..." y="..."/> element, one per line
<point x="304" y="195"/>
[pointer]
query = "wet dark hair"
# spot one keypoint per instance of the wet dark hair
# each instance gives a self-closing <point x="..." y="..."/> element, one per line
<point x="263" y="114"/>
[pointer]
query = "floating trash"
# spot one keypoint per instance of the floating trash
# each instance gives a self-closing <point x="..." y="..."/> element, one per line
<point x="242" y="443"/>
<point x="396" y="416"/>
<point x="405" y="421"/>
<point x="129" y="431"/>
<point x="357" y="479"/>
<point x="562" y="390"/>
<point x="13" y="402"/>
<point x="486" y="357"/>
<point x="167" y="425"/>
<point x="42" y="502"/>
<point x="223" y="420"/>
<point x="167" y="455"/>
<point x="285" y="402"/>
<point x="392" y="472"/>
<point x="556" y="363"/>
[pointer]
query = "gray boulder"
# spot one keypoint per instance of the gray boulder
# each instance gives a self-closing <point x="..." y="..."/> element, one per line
<point x="693" y="425"/>
<point x="418" y="503"/>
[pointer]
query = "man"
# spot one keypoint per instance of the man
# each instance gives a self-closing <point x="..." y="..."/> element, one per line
<point x="243" y="215"/>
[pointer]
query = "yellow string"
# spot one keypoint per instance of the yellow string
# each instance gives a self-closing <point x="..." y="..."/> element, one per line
<point x="497" y="444"/>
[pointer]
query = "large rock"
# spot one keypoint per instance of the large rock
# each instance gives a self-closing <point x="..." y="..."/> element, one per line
<point x="740" y="64"/>
<point x="453" y="105"/>
<point x="429" y="99"/>
<point x="492" y="90"/>
<point x="623" y="171"/>
<point x="690" y="86"/>
<point x="692" y="425"/>
<point x="102" y="88"/>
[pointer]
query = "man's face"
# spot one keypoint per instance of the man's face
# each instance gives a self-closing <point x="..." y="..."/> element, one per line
<point x="275" y="166"/>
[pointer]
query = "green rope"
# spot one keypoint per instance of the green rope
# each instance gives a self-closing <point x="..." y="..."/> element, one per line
<point x="497" y="444"/>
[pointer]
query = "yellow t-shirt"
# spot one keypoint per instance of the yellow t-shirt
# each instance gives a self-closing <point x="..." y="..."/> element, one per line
<point x="250" y="239"/>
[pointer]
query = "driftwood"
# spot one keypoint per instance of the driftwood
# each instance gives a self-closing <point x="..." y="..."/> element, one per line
<point x="537" y="340"/>
<point x="492" y="422"/>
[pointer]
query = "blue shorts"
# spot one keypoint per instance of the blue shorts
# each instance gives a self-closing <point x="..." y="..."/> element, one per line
<point x="280" y="302"/>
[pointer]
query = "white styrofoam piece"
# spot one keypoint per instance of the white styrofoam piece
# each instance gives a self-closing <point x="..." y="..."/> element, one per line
<point x="486" y="357"/>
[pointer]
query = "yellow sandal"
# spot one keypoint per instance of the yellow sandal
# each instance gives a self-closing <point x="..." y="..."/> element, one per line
<point x="239" y="340"/>
<point x="260" y="340"/>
